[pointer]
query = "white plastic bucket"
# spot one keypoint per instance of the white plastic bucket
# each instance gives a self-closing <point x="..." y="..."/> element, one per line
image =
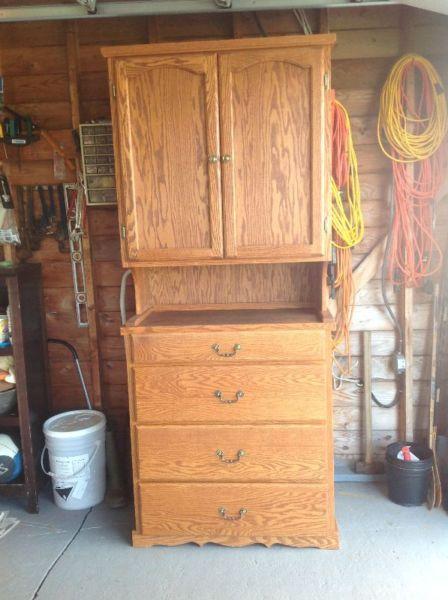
<point x="75" y="441"/>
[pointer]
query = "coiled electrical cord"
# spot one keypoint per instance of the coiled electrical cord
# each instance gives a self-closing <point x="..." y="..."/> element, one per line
<point x="412" y="134"/>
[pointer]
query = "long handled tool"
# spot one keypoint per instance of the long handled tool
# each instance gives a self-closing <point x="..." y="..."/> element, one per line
<point x="368" y="465"/>
<point x="435" y="486"/>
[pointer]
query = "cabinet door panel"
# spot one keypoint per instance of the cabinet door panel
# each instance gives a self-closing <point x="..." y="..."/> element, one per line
<point x="273" y="129"/>
<point x="167" y="109"/>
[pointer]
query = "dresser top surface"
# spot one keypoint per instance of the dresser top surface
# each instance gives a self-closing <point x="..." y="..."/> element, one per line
<point x="285" y="317"/>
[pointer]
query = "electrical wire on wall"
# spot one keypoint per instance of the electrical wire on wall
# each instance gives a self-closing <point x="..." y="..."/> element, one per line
<point x="412" y="127"/>
<point x="348" y="225"/>
<point x="412" y="130"/>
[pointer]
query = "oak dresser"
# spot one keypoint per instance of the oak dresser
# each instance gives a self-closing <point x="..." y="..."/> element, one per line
<point x="223" y="157"/>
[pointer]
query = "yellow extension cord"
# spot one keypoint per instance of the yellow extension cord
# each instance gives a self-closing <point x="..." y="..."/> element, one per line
<point x="397" y="127"/>
<point x="347" y="218"/>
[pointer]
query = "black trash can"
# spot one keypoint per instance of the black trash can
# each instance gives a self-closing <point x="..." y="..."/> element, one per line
<point x="407" y="482"/>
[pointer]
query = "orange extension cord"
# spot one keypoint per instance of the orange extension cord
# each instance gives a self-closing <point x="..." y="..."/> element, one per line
<point x="348" y="225"/>
<point x="414" y="131"/>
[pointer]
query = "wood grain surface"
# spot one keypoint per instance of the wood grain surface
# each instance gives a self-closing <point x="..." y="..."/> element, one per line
<point x="283" y="453"/>
<point x="225" y="284"/>
<point x="328" y="541"/>
<point x="272" y="509"/>
<point x="256" y="346"/>
<point x="271" y="201"/>
<point x="168" y="128"/>
<point x="281" y="393"/>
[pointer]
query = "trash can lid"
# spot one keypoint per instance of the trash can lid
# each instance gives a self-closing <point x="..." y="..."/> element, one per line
<point x="74" y="423"/>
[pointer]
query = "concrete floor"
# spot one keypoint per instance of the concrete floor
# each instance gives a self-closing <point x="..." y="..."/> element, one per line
<point x="387" y="552"/>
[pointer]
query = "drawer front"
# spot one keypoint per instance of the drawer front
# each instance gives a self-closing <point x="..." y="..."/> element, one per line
<point x="226" y="347"/>
<point x="200" y="509"/>
<point x="231" y="394"/>
<point x="279" y="453"/>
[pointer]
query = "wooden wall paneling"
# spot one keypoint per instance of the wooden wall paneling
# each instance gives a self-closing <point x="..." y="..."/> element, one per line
<point x="164" y="28"/>
<point x="359" y="18"/>
<point x="41" y="33"/>
<point x="66" y="392"/>
<point x="72" y="48"/>
<point x="94" y="83"/>
<point x="347" y="444"/>
<point x="107" y="272"/>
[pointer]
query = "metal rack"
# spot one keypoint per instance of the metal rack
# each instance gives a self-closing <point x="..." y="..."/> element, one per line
<point x="98" y="163"/>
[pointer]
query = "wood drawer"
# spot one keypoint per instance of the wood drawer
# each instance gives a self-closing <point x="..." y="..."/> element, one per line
<point x="193" y="510"/>
<point x="256" y="346"/>
<point x="182" y="394"/>
<point x="277" y="453"/>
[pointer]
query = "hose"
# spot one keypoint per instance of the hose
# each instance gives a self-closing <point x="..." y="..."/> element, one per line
<point x="75" y="356"/>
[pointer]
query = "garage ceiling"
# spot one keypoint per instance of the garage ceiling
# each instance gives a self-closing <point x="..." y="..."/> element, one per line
<point x="72" y="9"/>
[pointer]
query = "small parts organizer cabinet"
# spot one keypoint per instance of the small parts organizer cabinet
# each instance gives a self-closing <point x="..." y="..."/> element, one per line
<point x="222" y="160"/>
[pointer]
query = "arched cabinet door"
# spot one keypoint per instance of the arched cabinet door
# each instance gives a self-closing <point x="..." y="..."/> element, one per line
<point x="273" y="135"/>
<point x="167" y="114"/>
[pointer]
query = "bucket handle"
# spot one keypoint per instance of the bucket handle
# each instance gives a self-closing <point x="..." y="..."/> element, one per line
<point x="53" y="475"/>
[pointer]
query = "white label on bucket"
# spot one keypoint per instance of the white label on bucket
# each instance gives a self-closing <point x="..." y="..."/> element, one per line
<point x="80" y="488"/>
<point x="67" y="466"/>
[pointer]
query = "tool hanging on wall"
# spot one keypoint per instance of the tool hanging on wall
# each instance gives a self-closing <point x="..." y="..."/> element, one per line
<point x="348" y="222"/>
<point x="412" y="132"/>
<point x="75" y="210"/>
<point x="435" y="487"/>
<point x="17" y="130"/>
<point x="9" y="233"/>
<point x="44" y="218"/>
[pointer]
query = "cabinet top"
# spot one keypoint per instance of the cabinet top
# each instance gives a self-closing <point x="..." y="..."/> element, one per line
<point x="227" y="45"/>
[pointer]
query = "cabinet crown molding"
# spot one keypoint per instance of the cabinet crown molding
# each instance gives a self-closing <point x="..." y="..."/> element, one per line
<point x="284" y="41"/>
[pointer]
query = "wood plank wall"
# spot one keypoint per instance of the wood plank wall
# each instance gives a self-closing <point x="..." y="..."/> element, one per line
<point x="34" y="63"/>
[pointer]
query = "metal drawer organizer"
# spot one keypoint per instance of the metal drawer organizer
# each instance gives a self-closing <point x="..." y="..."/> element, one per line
<point x="98" y="163"/>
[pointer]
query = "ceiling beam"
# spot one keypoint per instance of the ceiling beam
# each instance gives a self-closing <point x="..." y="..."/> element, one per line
<point x="129" y="8"/>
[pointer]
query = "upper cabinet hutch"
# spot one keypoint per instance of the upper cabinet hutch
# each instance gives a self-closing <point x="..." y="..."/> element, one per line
<point x="223" y="166"/>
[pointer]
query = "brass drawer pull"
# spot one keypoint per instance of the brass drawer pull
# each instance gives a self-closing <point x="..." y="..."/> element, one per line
<point x="241" y="513"/>
<point x="229" y="461"/>
<point x="226" y="158"/>
<point x="218" y="394"/>
<point x="216" y="348"/>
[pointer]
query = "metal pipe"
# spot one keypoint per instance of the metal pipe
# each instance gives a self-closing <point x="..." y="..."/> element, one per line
<point x="159" y="7"/>
<point x="75" y="356"/>
<point x="124" y="279"/>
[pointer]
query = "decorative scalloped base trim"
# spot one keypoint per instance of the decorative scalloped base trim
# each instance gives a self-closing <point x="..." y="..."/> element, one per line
<point x="329" y="541"/>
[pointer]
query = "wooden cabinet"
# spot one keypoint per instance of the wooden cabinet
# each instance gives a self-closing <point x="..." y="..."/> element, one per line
<point x="167" y="111"/>
<point x="231" y="444"/>
<point x="272" y="137"/>
<point x="223" y="152"/>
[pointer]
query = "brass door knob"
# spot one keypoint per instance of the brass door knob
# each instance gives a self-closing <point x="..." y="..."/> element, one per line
<point x="226" y="158"/>
<point x="213" y="159"/>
